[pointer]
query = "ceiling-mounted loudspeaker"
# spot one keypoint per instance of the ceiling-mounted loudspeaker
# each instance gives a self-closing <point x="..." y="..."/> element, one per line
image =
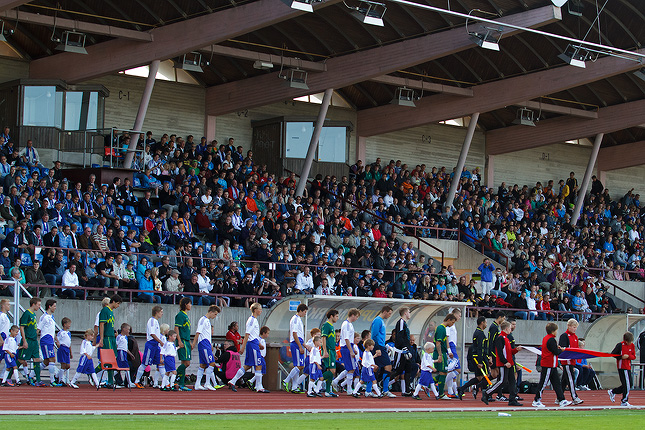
<point x="262" y="65"/>
<point x="72" y="41"/>
<point x="191" y="62"/>
<point x="404" y="97"/>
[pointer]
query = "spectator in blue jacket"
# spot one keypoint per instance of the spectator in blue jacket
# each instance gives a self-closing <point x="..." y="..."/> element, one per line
<point x="486" y="269"/>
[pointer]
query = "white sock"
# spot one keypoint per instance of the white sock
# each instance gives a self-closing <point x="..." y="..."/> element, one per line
<point x="293" y="376"/>
<point x="140" y="371"/>
<point x="16" y="375"/>
<point x="417" y="390"/>
<point x="127" y="377"/>
<point x="339" y="377"/>
<point x="311" y="387"/>
<point x="95" y="379"/>
<point x="213" y="378"/>
<point x="52" y="372"/>
<point x="164" y="381"/>
<point x="357" y="384"/>
<point x="172" y="379"/>
<point x="25" y="371"/>
<point x="75" y="378"/>
<point x="4" y="376"/>
<point x="403" y="386"/>
<point x="162" y="371"/>
<point x="209" y="373"/>
<point x="319" y="385"/>
<point x="67" y="376"/>
<point x="200" y="374"/>
<point x="376" y="389"/>
<point x="433" y="387"/>
<point x="32" y="374"/>
<point x="301" y="379"/>
<point x="348" y="382"/>
<point x="252" y="380"/>
<point x="258" y="381"/>
<point x="238" y="375"/>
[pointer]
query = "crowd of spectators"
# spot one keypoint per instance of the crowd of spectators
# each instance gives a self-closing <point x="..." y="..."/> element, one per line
<point x="209" y="219"/>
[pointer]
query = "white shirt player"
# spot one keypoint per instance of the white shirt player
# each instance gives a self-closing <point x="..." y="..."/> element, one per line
<point x="451" y="332"/>
<point x="427" y="363"/>
<point x="252" y="328"/>
<point x="263" y="351"/>
<point x="64" y="338"/>
<point x="295" y="325"/>
<point x="47" y="326"/>
<point x="204" y="329"/>
<point x="121" y="343"/>
<point x="346" y="333"/>
<point x="96" y="322"/>
<point x="10" y="345"/>
<point x="309" y="344"/>
<point x="153" y="328"/>
<point x="314" y="356"/>
<point x="368" y="359"/>
<point x="169" y="350"/>
<point x="87" y="348"/>
<point x="5" y="325"/>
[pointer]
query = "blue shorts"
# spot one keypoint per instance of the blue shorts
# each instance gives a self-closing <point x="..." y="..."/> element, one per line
<point x="346" y="358"/>
<point x="8" y="361"/>
<point x="367" y="374"/>
<point x="425" y="380"/>
<point x="455" y="356"/>
<point x="62" y="355"/>
<point x="169" y="364"/>
<point x="383" y="359"/>
<point x="151" y="353"/>
<point x="307" y="366"/>
<point x="122" y="359"/>
<point x="297" y="358"/>
<point x="264" y="365"/>
<point x="314" y="372"/>
<point x="252" y="356"/>
<point x="47" y="347"/>
<point x="85" y="366"/>
<point x="205" y="352"/>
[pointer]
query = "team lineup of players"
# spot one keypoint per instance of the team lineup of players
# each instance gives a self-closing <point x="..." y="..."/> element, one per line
<point x="365" y="361"/>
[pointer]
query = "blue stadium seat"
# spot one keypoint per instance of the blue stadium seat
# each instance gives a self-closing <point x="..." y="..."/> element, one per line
<point x="96" y="166"/>
<point x="138" y="221"/>
<point x="87" y="224"/>
<point x="79" y="227"/>
<point x="125" y="228"/>
<point x="40" y="258"/>
<point x="127" y="219"/>
<point x="136" y="183"/>
<point x="26" y="260"/>
<point x="131" y="210"/>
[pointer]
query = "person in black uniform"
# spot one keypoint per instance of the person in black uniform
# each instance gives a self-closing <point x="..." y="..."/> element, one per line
<point x="403" y="361"/>
<point x="493" y="333"/>
<point x="477" y="360"/>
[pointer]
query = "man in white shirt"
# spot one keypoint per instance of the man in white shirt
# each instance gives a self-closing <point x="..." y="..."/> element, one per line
<point x="347" y="347"/>
<point x="152" y="351"/>
<point x="47" y="327"/>
<point x="70" y="279"/>
<point x="205" y="349"/>
<point x="251" y="344"/>
<point x="305" y="281"/>
<point x="30" y="156"/>
<point x="296" y="337"/>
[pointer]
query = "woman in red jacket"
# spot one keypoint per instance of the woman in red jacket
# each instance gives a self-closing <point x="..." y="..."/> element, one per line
<point x="233" y="335"/>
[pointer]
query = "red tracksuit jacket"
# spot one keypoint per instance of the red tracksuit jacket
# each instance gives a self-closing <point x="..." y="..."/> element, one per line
<point x="623" y="348"/>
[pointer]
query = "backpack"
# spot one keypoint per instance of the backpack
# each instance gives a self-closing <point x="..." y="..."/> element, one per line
<point x="233" y="364"/>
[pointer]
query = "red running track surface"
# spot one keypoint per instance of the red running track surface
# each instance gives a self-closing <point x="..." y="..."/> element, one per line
<point x="87" y="400"/>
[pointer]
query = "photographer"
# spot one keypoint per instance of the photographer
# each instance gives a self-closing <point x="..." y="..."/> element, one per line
<point x="222" y="357"/>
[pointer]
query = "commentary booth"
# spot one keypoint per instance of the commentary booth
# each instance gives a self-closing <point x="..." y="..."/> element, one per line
<point x="425" y="315"/>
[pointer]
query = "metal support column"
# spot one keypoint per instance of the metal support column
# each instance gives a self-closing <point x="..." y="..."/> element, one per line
<point x="582" y="191"/>
<point x="313" y="145"/>
<point x="462" y="160"/>
<point x="141" y="114"/>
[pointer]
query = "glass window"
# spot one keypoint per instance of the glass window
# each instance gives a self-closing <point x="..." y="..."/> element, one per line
<point x="332" y="145"/>
<point x="81" y="110"/>
<point x="42" y="107"/>
<point x="297" y="139"/>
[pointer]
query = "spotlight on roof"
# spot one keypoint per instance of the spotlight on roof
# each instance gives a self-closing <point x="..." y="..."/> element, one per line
<point x="263" y="65"/>
<point x="640" y="73"/>
<point x="191" y="62"/>
<point x="72" y="41"/>
<point x="370" y="12"/>
<point x="576" y="7"/>
<point x="303" y="5"/>
<point x="558" y="3"/>
<point x="575" y="56"/>
<point x="488" y="38"/>
<point x="297" y="78"/>
<point x="404" y="97"/>
<point x="525" y="116"/>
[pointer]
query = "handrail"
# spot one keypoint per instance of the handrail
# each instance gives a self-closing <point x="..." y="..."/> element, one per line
<point x="394" y="225"/>
<point x="484" y="246"/>
<point x="616" y="287"/>
<point x="539" y="311"/>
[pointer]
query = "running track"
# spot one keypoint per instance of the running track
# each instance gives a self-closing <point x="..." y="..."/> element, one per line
<point x="86" y="400"/>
